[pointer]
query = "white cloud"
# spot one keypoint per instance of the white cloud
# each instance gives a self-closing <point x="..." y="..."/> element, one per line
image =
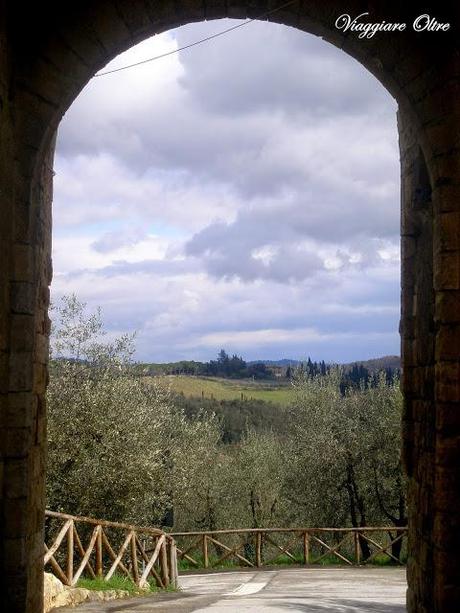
<point x="242" y="193"/>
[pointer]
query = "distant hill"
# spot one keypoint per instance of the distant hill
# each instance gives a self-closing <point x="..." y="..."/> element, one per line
<point x="285" y="362"/>
<point x="275" y="368"/>
<point x="374" y="364"/>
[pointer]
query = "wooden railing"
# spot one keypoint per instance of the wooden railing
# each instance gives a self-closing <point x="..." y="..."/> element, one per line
<point x="81" y="546"/>
<point x="84" y="547"/>
<point x="264" y="547"/>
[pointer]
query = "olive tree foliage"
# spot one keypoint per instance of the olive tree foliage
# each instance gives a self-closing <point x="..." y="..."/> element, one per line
<point x="199" y="475"/>
<point x="78" y="336"/>
<point x="345" y="451"/>
<point x="239" y="485"/>
<point x="258" y="480"/>
<point x="113" y="438"/>
<point x="316" y="460"/>
<point x="121" y="448"/>
<point x="384" y="407"/>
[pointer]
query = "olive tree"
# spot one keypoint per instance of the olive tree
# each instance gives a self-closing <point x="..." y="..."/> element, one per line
<point x="316" y="466"/>
<point x="257" y="480"/>
<point x="346" y="467"/>
<point x="113" y="437"/>
<point x="198" y="476"/>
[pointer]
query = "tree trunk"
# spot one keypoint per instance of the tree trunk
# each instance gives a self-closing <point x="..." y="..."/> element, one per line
<point x="357" y="504"/>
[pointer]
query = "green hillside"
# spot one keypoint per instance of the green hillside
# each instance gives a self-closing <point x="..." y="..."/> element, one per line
<point x="226" y="389"/>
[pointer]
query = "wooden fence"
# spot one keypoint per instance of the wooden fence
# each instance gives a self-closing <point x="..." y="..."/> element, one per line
<point x="80" y="546"/>
<point x="264" y="547"/>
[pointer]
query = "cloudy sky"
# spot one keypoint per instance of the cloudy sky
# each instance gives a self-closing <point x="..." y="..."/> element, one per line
<point x="241" y="194"/>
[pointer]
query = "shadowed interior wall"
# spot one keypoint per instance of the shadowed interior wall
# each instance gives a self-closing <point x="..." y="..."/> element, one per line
<point x="418" y="336"/>
<point x="48" y="53"/>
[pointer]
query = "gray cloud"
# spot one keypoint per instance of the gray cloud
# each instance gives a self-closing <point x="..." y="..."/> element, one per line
<point x="119" y="268"/>
<point x="237" y="248"/>
<point x="268" y="162"/>
<point x="348" y="314"/>
<point x="259" y="126"/>
<point x="112" y="241"/>
<point x="272" y="68"/>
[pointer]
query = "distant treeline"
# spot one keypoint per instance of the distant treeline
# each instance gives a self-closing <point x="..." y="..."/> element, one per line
<point x="229" y="367"/>
<point x="235" y="367"/>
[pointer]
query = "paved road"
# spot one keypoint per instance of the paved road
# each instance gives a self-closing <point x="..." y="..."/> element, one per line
<point x="315" y="590"/>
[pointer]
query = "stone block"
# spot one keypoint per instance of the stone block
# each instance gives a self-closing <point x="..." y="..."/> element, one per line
<point x="446" y="196"/>
<point x="448" y="485"/>
<point x="408" y="270"/>
<point x="447" y="271"/>
<point x="22" y="332"/>
<point x="439" y="133"/>
<point x="22" y="226"/>
<point x="448" y="417"/>
<point x="448" y="169"/>
<point x="4" y="372"/>
<point x="408" y="247"/>
<point x="22" y="263"/>
<point x="448" y="382"/>
<point x="23" y="298"/>
<point x="448" y="342"/>
<point x="20" y="371"/>
<point x="408" y="353"/>
<point x="448" y="231"/>
<point x="448" y="307"/>
<point x="21" y="409"/>
<point x="16" y="442"/>
<point x="216" y="10"/>
<point x="41" y="348"/>
<point x="15" y="552"/>
<point x="40" y="377"/>
<point x="16" y="474"/>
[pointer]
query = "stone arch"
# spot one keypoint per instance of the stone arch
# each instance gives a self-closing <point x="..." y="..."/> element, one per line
<point x="48" y="53"/>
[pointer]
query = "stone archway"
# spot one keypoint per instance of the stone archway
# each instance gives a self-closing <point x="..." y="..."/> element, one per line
<point x="48" y="53"/>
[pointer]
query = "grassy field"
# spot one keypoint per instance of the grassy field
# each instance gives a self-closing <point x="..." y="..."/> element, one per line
<point x="228" y="389"/>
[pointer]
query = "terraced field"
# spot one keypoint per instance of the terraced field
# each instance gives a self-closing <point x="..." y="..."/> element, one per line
<point x="226" y="389"/>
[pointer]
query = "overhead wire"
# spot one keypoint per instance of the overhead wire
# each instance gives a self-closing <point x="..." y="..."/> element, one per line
<point x="198" y="42"/>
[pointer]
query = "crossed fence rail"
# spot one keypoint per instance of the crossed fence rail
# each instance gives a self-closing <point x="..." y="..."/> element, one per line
<point x="264" y="547"/>
<point x="81" y="546"/>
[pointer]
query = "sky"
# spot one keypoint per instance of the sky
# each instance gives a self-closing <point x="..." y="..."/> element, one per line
<point x="241" y="194"/>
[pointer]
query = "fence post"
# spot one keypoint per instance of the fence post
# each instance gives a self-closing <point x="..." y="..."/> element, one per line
<point x="164" y="563"/>
<point x="134" y="562"/>
<point x="357" y="548"/>
<point x="306" y="548"/>
<point x="205" y="551"/>
<point x="99" y="569"/>
<point x="70" y="553"/>
<point x="144" y="547"/>
<point x="173" y="563"/>
<point x="258" y="549"/>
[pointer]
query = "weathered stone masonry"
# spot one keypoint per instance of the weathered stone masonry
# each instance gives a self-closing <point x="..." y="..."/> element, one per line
<point x="48" y="52"/>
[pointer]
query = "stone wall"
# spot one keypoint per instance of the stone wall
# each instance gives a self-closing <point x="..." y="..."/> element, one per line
<point x="444" y="131"/>
<point x="26" y="275"/>
<point x="48" y="52"/>
<point x="417" y="332"/>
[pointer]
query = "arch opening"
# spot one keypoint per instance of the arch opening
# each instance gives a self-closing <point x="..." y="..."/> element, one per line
<point x="51" y="67"/>
<point x="274" y="264"/>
